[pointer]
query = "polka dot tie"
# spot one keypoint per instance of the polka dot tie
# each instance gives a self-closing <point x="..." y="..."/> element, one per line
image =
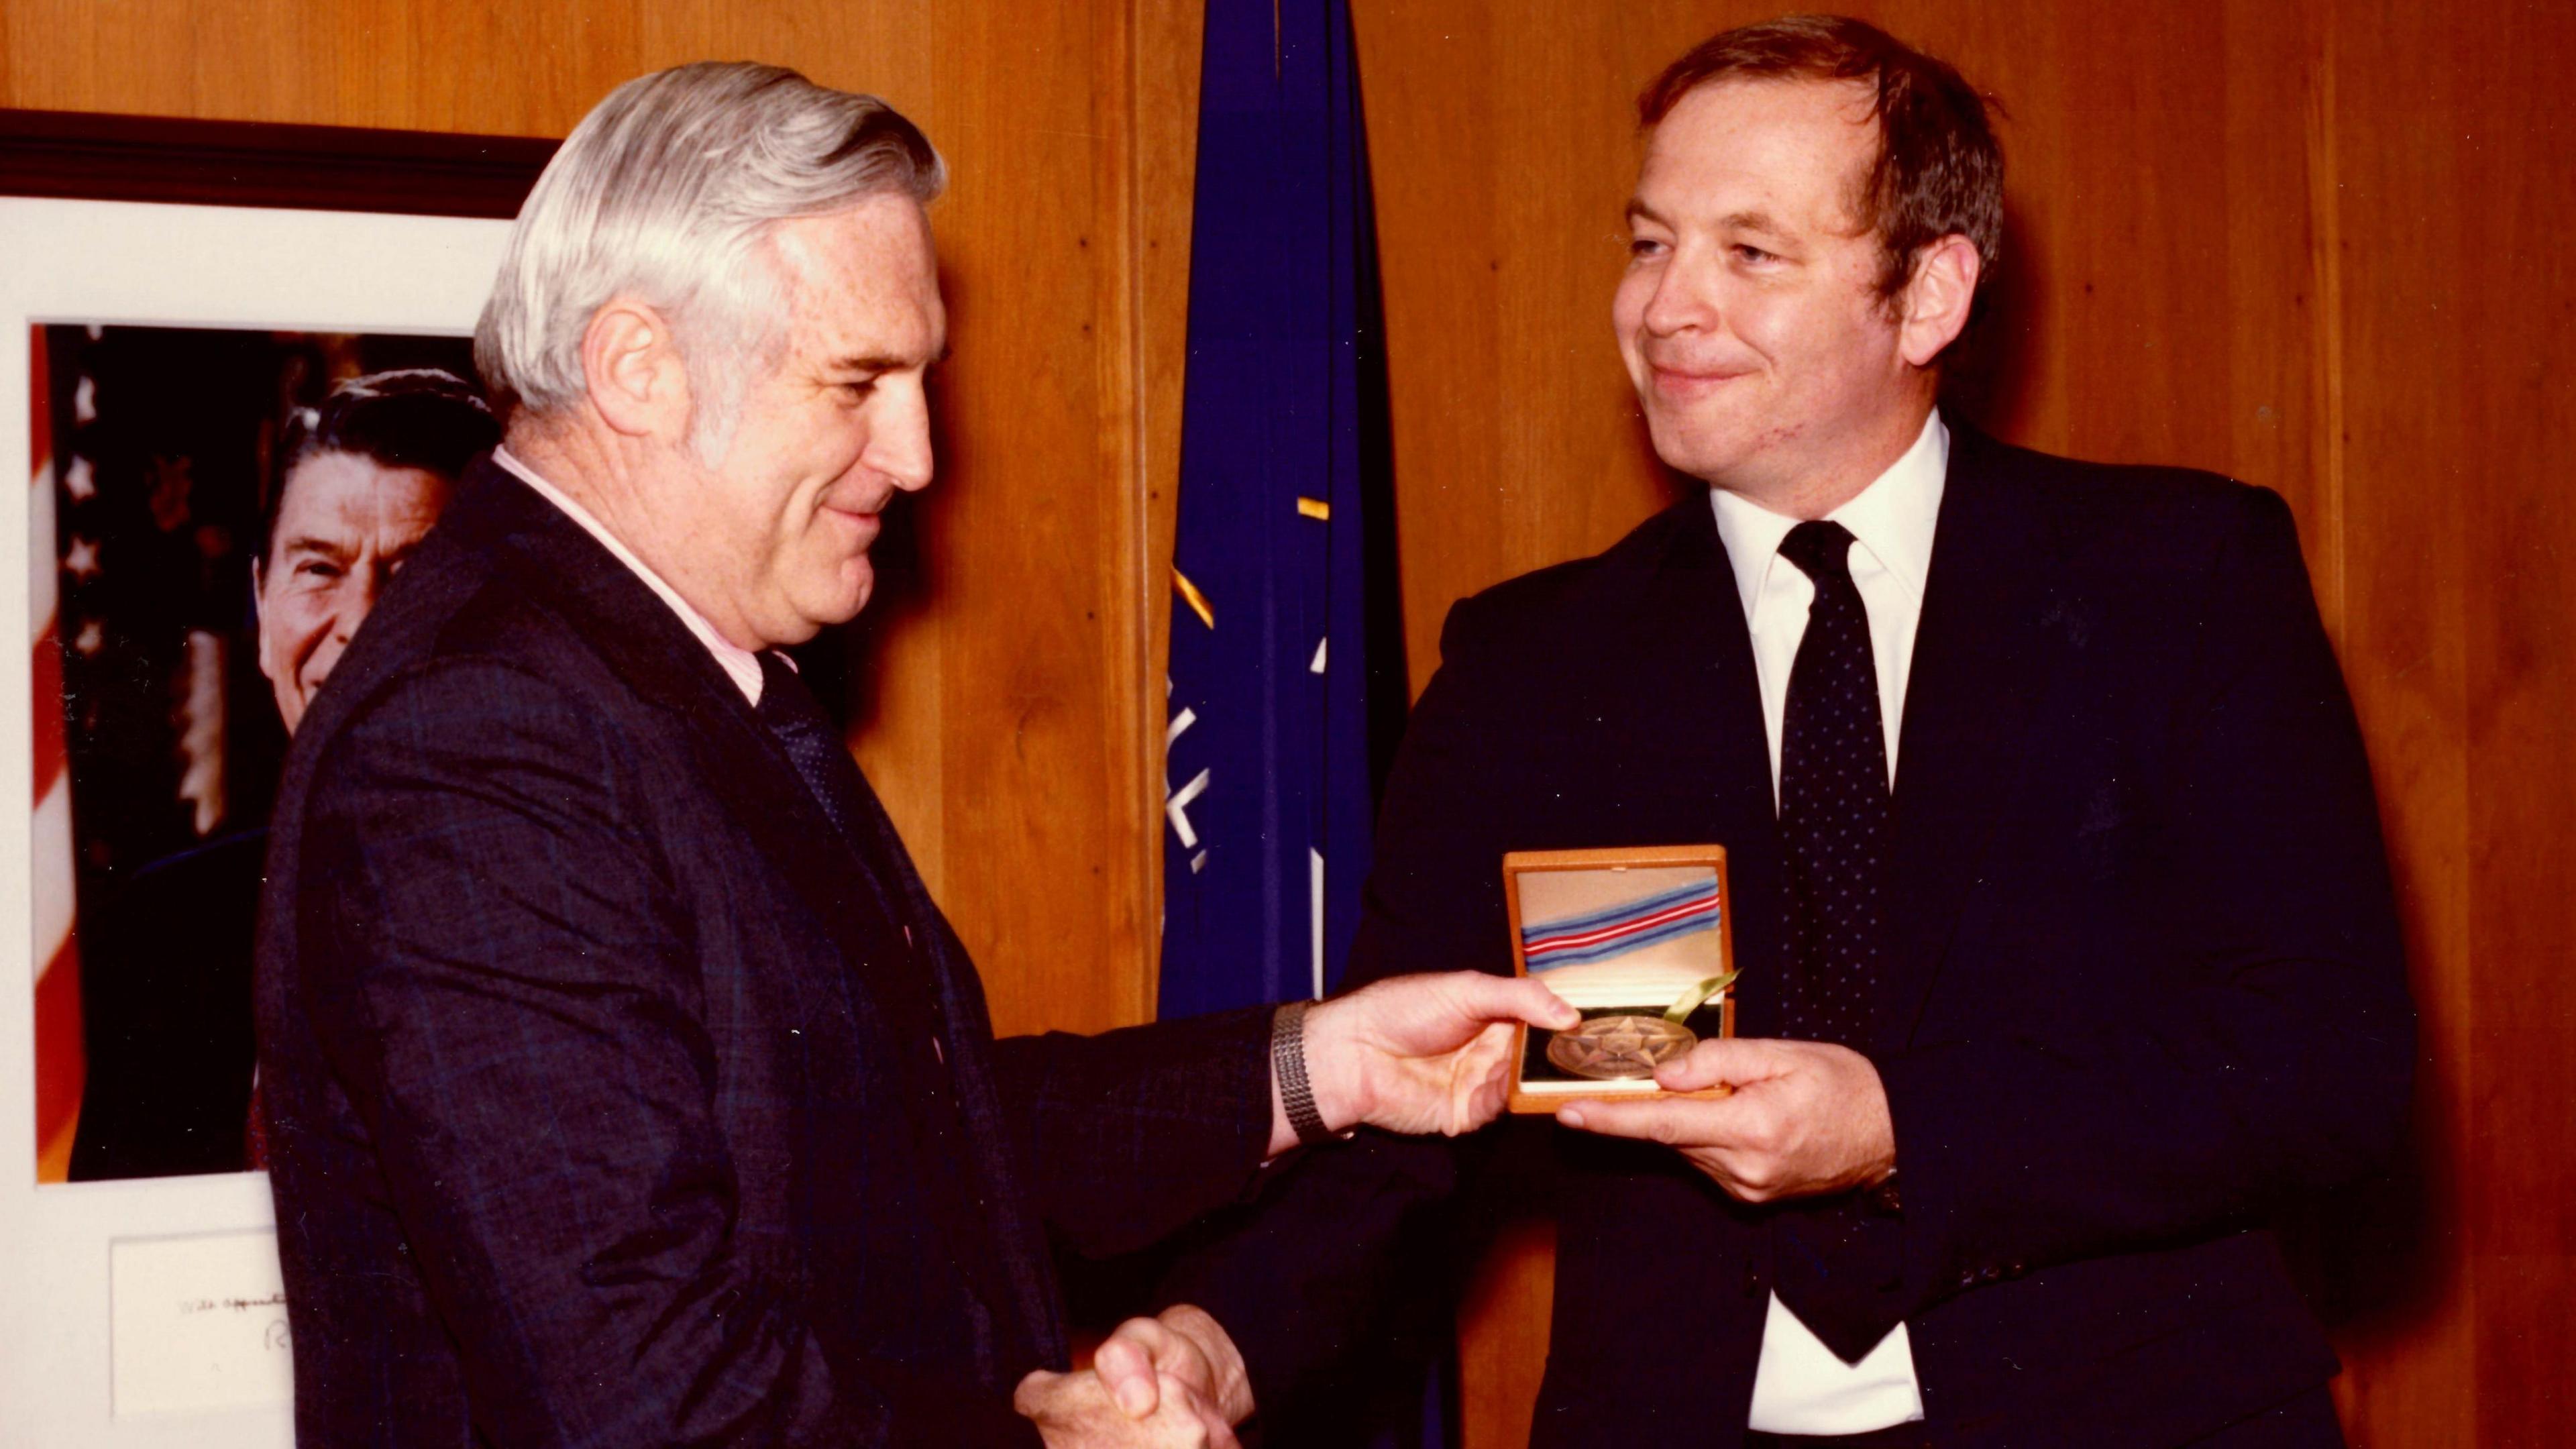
<point x="1834" y="814"/>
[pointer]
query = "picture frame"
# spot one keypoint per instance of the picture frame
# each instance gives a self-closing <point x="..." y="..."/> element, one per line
<point x="1633" y="938"/>
<point x="147" y="1311"/>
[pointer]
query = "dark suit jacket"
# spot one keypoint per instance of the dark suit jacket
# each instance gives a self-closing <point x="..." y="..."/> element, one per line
<point x="2147" y="980"/>
<point x="165" y="1012"/>
<point x="609" y="1105"/>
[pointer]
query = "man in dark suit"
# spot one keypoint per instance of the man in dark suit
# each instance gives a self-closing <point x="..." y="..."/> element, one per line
<point x="624" y="1084"/>
<point x="2066" y="937"/>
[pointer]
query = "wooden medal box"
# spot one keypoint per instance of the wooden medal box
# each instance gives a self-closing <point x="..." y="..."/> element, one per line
<point x="1617" y="932"/>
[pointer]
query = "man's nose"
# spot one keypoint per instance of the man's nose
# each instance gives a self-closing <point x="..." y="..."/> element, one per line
<point x="1683" y="301"/>
<point x="357" y="601"/>
<point x="899" y="444"/>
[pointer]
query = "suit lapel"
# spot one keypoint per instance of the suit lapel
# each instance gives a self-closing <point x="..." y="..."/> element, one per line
<point x="736" y="757"/>
<point x="745" y="766"/>
<point x="1998" y="623"/>
<point x="1707" y="712"/>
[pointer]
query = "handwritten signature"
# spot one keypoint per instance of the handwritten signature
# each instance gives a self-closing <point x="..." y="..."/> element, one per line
<point x="237" y="1305"/>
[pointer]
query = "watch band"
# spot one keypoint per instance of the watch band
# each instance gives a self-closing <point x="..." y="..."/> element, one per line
<point x="1288" y="1063"/>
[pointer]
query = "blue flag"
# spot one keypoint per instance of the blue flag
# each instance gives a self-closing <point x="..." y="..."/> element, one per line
<point x="1287" y="675"/>
<point x="1287" y="666"/>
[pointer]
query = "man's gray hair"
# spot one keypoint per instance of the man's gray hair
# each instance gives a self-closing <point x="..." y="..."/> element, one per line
<point x="667" y="192"/>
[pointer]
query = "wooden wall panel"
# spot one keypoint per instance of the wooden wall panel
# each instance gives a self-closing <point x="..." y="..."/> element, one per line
<point x="1030" y="620"/>
<point x="2315" y="245"/>
<point x="1005" y="714"/>
<point x="2318" y="244"/>
<point x="2414" y="1356"/>
<point x="2452" y="205"/>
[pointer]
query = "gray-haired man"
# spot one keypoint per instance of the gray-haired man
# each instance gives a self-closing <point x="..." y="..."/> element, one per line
<point x="625" y="1086"/>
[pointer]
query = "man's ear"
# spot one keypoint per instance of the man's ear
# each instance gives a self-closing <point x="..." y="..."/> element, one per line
<point x="1937" y="298"/>
<point x="632" y="372"/>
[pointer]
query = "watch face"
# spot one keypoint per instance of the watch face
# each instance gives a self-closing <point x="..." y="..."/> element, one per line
<point x="1619" y="1048"/>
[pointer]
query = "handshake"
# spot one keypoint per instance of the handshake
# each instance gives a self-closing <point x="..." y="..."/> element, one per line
<point x="1416" y="1054"/>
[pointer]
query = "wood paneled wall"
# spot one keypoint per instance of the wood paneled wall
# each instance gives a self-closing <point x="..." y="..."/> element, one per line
<point x="1004" y="675"/>
<point x="2317" y="245"/>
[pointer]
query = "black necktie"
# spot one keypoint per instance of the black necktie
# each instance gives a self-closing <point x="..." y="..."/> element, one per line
<point x="1834" y="816"/>
<point x="1832" y="1256"/>
<point x="823" y="762"/>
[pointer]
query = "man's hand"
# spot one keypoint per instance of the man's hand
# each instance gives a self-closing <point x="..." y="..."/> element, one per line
<point x="1076" y="1411"/>
<point x="1805" y="1118"/>
<point x="1419" y="1053"/>
<point x="1182" y="1344"/>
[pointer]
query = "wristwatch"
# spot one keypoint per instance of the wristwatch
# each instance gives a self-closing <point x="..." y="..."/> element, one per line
<point x="1288" y="1063"/>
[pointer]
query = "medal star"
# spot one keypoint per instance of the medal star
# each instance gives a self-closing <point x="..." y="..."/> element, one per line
<point x="1618" y="1047"/>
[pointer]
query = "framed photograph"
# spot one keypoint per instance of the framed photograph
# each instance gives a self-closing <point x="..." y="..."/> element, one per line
<point x="204" y="329"/>
<point x="1641" y="941"/>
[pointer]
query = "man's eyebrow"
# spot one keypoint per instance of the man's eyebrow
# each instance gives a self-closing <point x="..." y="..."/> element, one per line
<point x="871" y="362"/>
<point x="1752" y="220"/>
<point x="310" y="547"/>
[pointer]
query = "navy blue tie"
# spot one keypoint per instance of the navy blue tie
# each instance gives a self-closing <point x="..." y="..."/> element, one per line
<point x="814" y="746"/>
<point x="1835" y="821"/>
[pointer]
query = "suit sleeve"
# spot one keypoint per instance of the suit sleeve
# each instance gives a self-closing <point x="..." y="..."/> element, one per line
<point x="1327" y="1276"/>
<point x="508" y="994"/>
<point x="1132" y="1134"/>
<point x="2278" y="1058"/>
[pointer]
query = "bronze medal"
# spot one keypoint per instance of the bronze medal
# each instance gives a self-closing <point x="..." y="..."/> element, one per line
<point x="1619" y="1048"/>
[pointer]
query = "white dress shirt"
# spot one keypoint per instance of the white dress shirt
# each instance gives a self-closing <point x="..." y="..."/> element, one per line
<point x="1800" y="1387"/>
<point x="739" y="664"/>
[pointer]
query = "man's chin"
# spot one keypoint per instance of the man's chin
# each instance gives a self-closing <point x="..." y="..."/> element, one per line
<point x="1700" y="450"/>
<point x="843" y="600"/>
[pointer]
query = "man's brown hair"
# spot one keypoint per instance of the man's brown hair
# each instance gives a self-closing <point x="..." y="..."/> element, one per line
<point x="1938" y="169"/>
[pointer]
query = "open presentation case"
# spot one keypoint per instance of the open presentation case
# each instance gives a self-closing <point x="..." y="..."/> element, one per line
<point x="1641" y="941"/>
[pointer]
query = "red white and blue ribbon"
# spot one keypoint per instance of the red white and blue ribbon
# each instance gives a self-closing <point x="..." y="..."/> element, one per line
<point x="1620" y="929"/>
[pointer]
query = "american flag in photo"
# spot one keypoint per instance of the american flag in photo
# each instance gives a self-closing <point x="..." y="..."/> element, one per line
<point x="1620" y="929"/>
<point x="60" y="1066"/>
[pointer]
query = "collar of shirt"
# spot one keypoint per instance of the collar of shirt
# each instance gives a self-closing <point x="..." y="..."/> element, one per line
<point x="1891" y="523"/>
<point x="739" y="664"/>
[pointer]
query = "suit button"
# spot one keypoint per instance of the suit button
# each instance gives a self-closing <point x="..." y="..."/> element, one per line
<point x="1752" y="1279"/>
<point x="2014" y="1270"/>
